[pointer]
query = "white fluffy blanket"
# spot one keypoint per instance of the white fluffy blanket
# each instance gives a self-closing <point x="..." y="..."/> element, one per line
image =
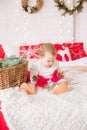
<point x="45" y="111"/>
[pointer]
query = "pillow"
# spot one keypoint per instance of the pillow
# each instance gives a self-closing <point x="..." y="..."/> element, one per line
<point x="2" y="52"/>
<point x="30" y="51"/>
<point x="76" y="50"/>
<point x="63" y="53"/>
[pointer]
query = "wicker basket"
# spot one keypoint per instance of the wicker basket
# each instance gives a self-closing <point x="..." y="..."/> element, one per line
<point x="13" y="76"/>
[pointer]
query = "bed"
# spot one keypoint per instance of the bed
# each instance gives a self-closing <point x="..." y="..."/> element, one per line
<point x="45" y="111"/>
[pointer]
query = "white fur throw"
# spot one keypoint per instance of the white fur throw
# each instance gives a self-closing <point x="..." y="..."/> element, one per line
<point x="45" y="111"/>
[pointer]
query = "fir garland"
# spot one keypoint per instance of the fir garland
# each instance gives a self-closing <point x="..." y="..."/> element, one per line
<point x="11" y="61"/>
<point x="32" y="9"/>
<point x="62" y="6"/>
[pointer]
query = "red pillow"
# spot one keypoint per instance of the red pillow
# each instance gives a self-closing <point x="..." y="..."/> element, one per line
<point x="30" y="51"/>
<point x="76" y="49"/>
<point x="63" y="53"/>
<point x="2" y="52"/>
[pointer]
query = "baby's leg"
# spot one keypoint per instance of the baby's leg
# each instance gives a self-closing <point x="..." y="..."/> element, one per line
<point x="61" y="88"/>
<point x="27" y="88"/>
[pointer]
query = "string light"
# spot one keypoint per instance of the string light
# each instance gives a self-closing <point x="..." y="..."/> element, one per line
<point x="64" y="26"/>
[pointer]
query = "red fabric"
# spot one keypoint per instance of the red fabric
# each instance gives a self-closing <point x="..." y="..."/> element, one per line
<point x="58" y="47"/>
<point x="28" y="76"/>
<point x="44" y="81"/>
<point x="3" y="125"/>
<point x="2" y="52"/>
<point x="76" y="49"/>
<point x="63" y="53"/>
<point x="30" y="51"/>
<point x="41" y="81"/>
<point x="55" y="77"/>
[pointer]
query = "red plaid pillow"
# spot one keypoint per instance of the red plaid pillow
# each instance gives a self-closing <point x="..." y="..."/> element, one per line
<point x="30" y="51"/>
<point x="2" y="52"/>
<point x="63" y="53"/>
<point x="76" y="49"/>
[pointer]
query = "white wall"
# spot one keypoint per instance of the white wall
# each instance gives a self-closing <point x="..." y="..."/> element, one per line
<point x="81" y="26"/>
<point x="17" y="27"/>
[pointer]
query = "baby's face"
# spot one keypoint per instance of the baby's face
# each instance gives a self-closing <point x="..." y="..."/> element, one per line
<point x="47" y="60"/>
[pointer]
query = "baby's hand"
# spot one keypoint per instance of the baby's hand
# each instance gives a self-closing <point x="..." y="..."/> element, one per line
<point x="34" y="79"/>
<point x="60" y="73"/>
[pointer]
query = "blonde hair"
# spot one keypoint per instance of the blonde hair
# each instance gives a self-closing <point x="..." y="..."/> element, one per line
<point x="47" y="47"/>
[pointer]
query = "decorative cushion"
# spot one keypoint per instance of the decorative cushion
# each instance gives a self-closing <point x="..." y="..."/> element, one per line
<point x="2" y="52"/>
<point x="76" y="50"/>
<point x="63" y="53"/>
<point x="30" y="51"/>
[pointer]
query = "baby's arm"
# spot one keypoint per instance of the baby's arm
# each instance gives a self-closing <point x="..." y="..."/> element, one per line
<point x="33" y="74"/>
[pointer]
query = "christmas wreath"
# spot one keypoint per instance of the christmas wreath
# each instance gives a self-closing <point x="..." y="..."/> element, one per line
<point x="32" y="9"/>
<point x="62" y="6"/>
